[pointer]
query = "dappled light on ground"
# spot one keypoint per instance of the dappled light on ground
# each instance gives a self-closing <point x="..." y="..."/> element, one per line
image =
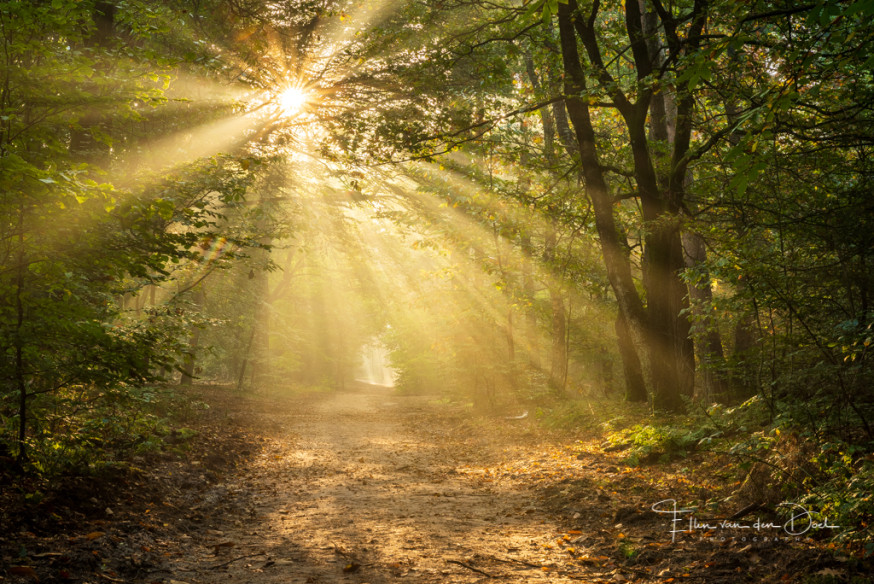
<point x="367" y="485"/>
<point x="363" y="491"/>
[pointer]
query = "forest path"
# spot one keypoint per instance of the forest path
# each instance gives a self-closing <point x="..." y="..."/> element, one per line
<point x="367" y="486"/>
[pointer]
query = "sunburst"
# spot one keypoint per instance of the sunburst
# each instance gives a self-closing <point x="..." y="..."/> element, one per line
<point x="292" y="100"/>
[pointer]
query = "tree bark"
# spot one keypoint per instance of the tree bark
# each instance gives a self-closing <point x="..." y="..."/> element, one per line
<point x="663" y="133"/>
<point x="708" y="343"/>
<point x="616" y="259"/>
<point x="635" y="384"/>
<point x="670" y="360"/>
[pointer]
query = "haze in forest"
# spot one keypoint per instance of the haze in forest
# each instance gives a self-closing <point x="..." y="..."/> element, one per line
<point x="640" y="215"/>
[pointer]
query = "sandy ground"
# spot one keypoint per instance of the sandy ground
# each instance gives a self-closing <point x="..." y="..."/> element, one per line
<point x="360" y="486"/>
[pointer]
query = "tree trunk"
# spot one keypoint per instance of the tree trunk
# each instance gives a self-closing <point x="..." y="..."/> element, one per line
<point x="558" y="352"/>
<point x="531" y="332"/>
<point x="20" y="381"/>
<point x="259" y="358"/>
<point x="189" y="361"/>
<point x="635" y="385"/>
<point x="668" y="332"/>
<point x="670" y="290"/>
<point x="708" y="343"/>
<point x="616" y="259"/>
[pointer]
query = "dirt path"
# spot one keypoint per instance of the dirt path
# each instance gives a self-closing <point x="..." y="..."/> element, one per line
<point x="367" y="487"/>
<point x="360" y="486"/>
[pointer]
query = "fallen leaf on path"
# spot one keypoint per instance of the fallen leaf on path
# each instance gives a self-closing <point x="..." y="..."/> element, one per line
<point x="95" y="535"/>
<point x="25" y="571"/>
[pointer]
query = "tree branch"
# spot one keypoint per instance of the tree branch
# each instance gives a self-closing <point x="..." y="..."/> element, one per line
<point x="772" y="13"/>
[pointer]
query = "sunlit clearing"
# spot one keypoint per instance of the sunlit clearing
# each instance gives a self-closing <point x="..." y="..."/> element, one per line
<point x="292" y="100"/>
<point x="375" y="366"/>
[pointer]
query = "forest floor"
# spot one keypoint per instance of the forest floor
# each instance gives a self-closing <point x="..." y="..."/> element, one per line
<point x="366" y="486"/>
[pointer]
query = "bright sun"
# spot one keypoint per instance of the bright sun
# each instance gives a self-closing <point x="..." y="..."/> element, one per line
<point x="292" y="100"/>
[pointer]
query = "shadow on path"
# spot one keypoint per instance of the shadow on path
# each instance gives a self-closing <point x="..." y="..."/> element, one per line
<point x="364" y="486"/>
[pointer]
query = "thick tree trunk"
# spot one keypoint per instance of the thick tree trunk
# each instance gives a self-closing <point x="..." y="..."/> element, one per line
<point x="671" y="295"/>
<point x="668" y="332"/>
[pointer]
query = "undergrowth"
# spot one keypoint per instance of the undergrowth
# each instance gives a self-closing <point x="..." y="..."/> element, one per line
<point x="85" y="430"/>
<point x="767" y="457"/>
<point x="588" y="415"/>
